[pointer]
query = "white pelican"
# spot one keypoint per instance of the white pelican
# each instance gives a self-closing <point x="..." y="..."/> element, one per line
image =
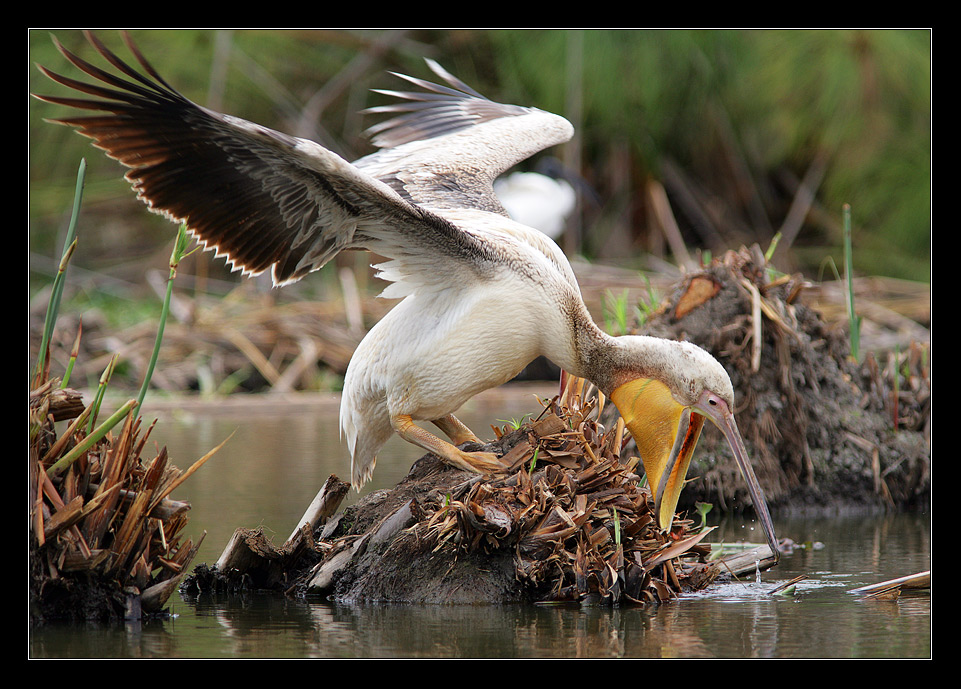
<point x="482" y="295"/>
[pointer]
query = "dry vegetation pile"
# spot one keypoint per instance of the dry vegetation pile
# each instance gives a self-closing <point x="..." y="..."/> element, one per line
<point x="577" y="519"/>
<point x="105" y="538"/>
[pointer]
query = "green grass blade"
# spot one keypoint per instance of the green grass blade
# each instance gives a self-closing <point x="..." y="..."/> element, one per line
<point x="101" y="391"/>
<point x="74" y="353"/>
<point x="854" y="322"/>
<point x="176" y="255"/>
<point x="53" y="306"/>
<point x="89" y="441"/>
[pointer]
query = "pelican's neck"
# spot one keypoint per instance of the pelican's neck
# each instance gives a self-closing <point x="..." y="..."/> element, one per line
<point x="609" y="361"/>
<point x="588" y="352"/>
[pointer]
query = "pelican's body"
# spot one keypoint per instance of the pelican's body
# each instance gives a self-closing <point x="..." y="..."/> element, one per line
<point x="447" y="341"/>
<point x="482" y="295"/>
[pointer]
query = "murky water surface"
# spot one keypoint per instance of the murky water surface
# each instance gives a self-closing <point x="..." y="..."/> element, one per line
<point x="278" y="458"/>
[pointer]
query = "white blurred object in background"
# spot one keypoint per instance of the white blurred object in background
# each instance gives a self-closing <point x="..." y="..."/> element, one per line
<point x="537" y="200"/>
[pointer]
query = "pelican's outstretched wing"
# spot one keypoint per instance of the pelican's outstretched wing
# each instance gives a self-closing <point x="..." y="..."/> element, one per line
<point x="448" y="145"/>
<point x="261" y="198"/>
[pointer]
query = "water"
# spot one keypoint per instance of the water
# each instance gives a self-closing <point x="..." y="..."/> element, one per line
<point x="276" y="461"/>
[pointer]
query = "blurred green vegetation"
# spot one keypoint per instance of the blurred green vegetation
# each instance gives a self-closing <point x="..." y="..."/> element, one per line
<point x="729" y="121"/>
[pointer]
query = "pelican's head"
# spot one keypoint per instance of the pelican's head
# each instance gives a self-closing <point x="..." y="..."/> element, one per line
<point x="664" y="395"/>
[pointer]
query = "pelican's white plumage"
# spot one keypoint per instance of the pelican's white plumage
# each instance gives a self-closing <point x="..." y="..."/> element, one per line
<point x="482" y="294"/>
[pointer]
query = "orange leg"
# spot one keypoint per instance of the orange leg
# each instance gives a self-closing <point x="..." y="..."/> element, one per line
<point x="478" y="462"/>
<point x="454" y="429"/>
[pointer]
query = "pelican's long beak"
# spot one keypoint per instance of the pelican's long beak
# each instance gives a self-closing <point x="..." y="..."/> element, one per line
<point x="666" y="434"/>
<point x="717" y="410"/>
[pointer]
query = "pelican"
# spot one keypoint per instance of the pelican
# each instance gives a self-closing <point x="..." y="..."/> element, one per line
<point x="482" y="295"/>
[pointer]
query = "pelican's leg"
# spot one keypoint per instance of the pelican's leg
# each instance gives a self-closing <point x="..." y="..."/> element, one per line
<point x="478" y="462"/>
<point x="455" y="430"/>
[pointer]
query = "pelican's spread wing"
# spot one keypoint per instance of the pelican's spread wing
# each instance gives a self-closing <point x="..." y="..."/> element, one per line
<point x="267" y="200"/>
<point x="447" y="145"/>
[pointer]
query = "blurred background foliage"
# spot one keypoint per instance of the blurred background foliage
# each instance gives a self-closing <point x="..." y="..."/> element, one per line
<point x="749" y="133"/>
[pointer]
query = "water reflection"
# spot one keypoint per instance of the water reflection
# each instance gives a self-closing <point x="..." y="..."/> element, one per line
<point x="268" y="626"/>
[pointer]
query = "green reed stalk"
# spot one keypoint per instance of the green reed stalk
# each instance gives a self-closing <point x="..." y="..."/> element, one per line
<point x="91" y="439"/>
<point x="854" y="321"/>
<point x="176" y="255"/>
<point x="56" y="293"/>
